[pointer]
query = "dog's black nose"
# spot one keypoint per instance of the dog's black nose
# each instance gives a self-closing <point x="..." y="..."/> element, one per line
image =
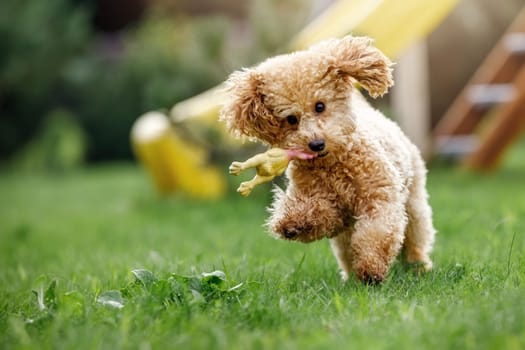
<point x="316" y="145"/>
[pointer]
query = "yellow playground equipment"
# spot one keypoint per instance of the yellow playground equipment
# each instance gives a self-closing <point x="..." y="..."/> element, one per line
<point x="177" y="165"/>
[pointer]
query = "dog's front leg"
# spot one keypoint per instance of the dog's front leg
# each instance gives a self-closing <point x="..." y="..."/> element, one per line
<point x="377" y="240"/>
<point x="304" y="218"/>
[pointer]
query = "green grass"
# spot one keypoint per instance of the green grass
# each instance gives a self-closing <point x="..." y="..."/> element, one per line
<point x="86" y="231"/>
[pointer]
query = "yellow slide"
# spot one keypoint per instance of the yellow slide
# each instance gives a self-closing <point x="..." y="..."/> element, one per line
<point x="173" y="163"/>
<point x="394" y="24"/>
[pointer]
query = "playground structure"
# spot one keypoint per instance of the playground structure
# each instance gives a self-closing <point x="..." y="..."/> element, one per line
<point x="489" y="114"/>
<point x="176" y="164"/>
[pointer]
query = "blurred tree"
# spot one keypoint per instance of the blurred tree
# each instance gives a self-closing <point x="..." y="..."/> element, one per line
<point x="37" y="39"/>
<point x="160" y="62"/>
<point x="167" y="58"/>
<point x="58" y="146"/>
<point x="51" y="58"/>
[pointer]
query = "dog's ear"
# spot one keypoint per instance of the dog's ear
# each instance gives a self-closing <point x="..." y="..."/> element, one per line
<point x="356" y="58"/>
<point x="244" y="112"/>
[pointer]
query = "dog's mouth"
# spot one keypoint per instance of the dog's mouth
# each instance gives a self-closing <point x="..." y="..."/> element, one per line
<point x="322" y="154"/>
<point x="304" y="155"/>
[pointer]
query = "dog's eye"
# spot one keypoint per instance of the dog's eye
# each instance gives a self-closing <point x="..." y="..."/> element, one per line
<point x="319" y="107"/>
<point x="292" y="120"/>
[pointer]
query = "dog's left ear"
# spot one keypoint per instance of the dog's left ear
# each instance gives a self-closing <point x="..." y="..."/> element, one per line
<point x="356" y="58"/>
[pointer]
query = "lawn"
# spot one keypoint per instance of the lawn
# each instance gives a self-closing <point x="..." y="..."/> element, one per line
<point x="95" y="259"/>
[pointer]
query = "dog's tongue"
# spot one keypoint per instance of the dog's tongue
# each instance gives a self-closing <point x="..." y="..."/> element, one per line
<point x="298" y="154"/>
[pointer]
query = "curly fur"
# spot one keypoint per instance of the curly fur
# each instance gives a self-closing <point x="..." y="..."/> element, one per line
<point x="366" y="190"/>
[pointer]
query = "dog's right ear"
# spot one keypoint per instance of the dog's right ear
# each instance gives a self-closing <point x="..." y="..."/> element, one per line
<point x="244" y="112"/>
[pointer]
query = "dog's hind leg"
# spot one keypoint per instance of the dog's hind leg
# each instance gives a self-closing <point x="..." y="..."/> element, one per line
<point x="419" y="234"/>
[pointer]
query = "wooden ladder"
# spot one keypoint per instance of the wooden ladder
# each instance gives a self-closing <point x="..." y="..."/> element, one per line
<point x="493" y="101"/>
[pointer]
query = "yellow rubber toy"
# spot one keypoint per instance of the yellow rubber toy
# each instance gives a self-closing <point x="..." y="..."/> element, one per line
<point x="267" y="165"/>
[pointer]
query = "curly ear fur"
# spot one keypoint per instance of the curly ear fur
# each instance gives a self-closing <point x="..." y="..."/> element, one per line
<point x="244" y="113"/>
<point x="355" y="57"/>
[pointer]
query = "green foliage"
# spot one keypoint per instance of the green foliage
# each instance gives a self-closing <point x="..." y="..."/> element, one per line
<point x="174" y="291"/>
<point x="51" y="59"/>
<point x="37" y="39"/>
<point x="164" y="60"/>
<point x="59" y="145"/>
<point x="45" y="64"/>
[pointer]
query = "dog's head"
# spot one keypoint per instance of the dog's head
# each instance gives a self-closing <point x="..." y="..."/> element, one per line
<point x="302" y="100"/>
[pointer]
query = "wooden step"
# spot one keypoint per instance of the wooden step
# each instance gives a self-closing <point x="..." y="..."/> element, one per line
<point x="503" y="130"/>
<point x="487" y="95"/>
<point x="499" y="67"/>
<point x="457" y="146"/>
<point x="515" y="42"/>
<point x="496" y="93"/>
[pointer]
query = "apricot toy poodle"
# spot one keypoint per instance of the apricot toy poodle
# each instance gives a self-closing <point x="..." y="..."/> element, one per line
<point x="365" y="187"/>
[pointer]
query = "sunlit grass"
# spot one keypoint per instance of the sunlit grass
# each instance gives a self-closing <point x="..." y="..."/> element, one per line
<point x="89" y="229"/>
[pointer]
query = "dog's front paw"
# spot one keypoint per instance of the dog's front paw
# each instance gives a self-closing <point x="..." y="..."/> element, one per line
<point x="370" y="270"/>
<point x="236" y="168"/>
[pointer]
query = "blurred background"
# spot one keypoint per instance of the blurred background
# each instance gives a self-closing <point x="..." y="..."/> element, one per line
<point x="76" y="74"/>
